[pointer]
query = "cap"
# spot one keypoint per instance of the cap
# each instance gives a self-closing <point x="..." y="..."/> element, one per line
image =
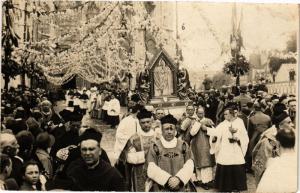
<point x="143" y="114"/>
<point x="278" y="109"/>
<point x="91" y="133"/>
<point x="279" y="118"/>
<point x="169" y="119"/>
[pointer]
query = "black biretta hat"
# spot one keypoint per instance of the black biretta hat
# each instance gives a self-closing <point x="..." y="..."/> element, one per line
<point x="168" y="119"/>
<point x="143" y="114"/>
<point x="91" y="133"/>
<point x="279" y="118"/>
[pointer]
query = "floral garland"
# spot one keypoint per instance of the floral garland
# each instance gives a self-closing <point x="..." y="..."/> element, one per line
<point x="108" y="45"/>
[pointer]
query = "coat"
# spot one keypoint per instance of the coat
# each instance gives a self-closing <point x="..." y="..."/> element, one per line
<point x="258" y="123"/>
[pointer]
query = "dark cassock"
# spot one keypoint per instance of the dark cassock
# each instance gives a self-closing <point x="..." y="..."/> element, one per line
<point x="91" y="173"/>
<point x="68" y="155"/>
<point x="211" y="108"/>
<point x="101" y="178"/>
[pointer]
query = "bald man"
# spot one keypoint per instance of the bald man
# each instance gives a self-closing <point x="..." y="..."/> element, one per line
<point x="9" y="145"/>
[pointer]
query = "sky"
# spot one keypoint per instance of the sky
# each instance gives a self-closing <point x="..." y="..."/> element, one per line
<point x="264" y="27"/>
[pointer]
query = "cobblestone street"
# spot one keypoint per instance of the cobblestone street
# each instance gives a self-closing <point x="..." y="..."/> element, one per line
<point x="108" y="141"/>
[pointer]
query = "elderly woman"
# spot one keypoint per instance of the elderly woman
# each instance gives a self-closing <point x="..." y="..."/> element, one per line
<point x="229" y="144"/>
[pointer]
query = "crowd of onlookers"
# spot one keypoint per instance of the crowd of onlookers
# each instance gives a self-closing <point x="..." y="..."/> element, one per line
<point x="223" y="135"/>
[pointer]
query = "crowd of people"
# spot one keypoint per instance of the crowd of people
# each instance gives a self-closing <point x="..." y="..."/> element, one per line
<point x="223" y="135"/>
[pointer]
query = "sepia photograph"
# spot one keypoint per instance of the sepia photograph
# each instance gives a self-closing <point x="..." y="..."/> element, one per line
<point x="149" y="96"/>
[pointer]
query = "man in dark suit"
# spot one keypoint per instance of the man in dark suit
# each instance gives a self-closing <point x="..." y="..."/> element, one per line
<point x="258" y="123"/>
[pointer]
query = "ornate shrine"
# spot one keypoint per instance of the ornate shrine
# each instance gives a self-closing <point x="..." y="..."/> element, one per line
<point x="163" y="83"/>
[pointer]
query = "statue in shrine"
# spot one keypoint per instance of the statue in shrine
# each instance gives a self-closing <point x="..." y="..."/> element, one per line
<point x="183" y="84"/>
<point x="143" y="85"/>
<point x="163" y="82"/>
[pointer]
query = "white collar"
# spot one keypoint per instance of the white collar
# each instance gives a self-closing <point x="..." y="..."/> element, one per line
<point x="143" y="133"/>
<point x="168" y="144"/>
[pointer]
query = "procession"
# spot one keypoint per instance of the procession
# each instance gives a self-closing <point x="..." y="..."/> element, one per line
<point x="149" y="96"/>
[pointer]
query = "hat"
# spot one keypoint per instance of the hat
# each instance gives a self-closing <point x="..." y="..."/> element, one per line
<point x="19" y="113"/>
<point x="291" y="100"/>
<point x="278" y="109"/>
<point x="91" y="133"/>
<point x="143" y="114"/>
<point x="68" y="115"/>
<point x="135" y="98"/>
<point x="277" y="119"/>
<point x="231" y="105"/>
<point x="274" y="97"/>
<point x="168" y="119"/>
